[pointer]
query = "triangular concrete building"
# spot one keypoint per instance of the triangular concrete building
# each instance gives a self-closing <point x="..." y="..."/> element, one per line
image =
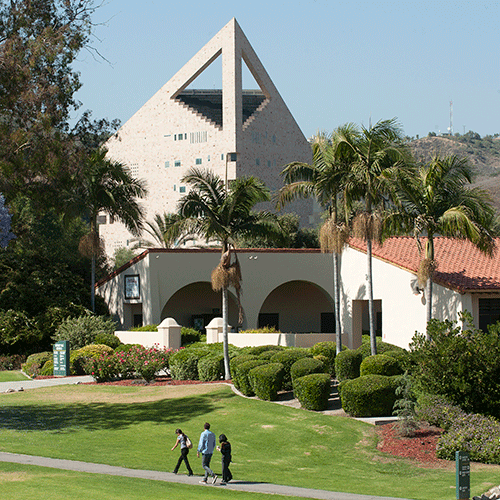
<point x="232" y="131"/>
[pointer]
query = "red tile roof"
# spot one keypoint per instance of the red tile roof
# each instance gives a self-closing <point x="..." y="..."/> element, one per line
<point x="460" y="265"/>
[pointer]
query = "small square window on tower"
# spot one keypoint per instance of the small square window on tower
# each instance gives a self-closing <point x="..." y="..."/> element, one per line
<point x="198" y="161"/>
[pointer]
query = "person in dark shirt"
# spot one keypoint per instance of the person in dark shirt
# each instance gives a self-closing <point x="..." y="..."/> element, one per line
<point x="225" y="449"/>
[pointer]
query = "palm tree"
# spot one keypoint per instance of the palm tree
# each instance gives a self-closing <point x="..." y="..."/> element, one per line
<point x="324" y="180"/>
<point x="104" y="185"/>
<point x="219" y="212"/>
<point x="435" y="199"/>
<point x="165" y="231"/>
<point x="373" y="153"/>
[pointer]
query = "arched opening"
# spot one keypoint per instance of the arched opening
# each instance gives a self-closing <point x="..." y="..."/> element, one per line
<point x="298" y="307"/>
<point x="195" y="305"/>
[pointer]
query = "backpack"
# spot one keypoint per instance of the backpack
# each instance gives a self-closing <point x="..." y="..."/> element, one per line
<point x="189" y="444"/>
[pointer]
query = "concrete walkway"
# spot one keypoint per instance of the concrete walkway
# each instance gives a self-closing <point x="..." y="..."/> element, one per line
<point x="22" y="385"/>
<point x="274" y="489"/>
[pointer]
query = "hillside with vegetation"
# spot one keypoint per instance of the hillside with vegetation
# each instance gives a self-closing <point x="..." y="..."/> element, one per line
<point x="483" y="154"/>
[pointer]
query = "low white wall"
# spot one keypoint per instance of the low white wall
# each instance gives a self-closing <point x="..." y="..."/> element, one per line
<point x="147" y="339"/>
<point x="284" y="339"/>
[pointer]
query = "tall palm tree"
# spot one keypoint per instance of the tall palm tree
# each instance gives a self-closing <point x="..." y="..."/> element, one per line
<point x="435" y="199"/>
<point x="324" y="179"/>
<point x="374" y="152"/>
<point x="104" y="185"/>
<point x="224" y="213"/>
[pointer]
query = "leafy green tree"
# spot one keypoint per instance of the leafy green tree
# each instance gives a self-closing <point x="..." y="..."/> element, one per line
<point x="373" y="153"/>
<point x="121" y="256"/>
<point x="436" y="199"/>
<point x="104" y="185"/>
<point x="39" y="41"/>
<point x="324" y="180"/>
<point x="223" y="213"/>
<point x="5" y="217"/>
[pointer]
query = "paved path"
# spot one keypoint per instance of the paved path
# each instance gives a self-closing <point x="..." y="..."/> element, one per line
<point x="46" y="382"/>
<point x="275" y="489"/>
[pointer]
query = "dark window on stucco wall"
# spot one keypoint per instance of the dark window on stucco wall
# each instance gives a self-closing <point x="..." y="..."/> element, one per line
<point x="489" y="312"/>
<point x="270" y="320"/>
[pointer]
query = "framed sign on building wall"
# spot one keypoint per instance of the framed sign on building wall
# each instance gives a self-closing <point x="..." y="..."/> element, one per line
<point x="132" y="287"/>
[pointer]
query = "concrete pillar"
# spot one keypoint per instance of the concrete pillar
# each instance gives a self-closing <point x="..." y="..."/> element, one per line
<point x="214" y="330"/>
<point x="170" y="331"/>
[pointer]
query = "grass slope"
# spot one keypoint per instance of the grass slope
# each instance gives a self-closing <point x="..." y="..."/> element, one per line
<point x="134" y="427"/>
<point x="12" y="376"/>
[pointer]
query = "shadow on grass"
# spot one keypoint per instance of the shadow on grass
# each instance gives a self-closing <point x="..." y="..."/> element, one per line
<point x="97" y="416"/>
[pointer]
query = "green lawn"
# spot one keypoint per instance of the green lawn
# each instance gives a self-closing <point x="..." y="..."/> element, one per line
<point x="12" y="376"/>
<point x="134" y="427"/>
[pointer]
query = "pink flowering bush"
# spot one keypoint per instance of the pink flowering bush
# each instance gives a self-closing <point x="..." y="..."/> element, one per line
<point x="141" y="361"/>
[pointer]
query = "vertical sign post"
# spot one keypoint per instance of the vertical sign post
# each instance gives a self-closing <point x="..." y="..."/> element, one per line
<point x="462" y="463"/>
<point x="61" y="358"/>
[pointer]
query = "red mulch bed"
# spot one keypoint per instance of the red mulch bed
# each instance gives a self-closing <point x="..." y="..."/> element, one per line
<point x="161" y="380"/>
<point x="420" y="447"/>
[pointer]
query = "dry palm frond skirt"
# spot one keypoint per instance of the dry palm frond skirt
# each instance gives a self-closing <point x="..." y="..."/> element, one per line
<point x="333" y="237"/>
<point x="228" y="274"/>
<point x="425" y="271"/>
<point x="90" y="245"/>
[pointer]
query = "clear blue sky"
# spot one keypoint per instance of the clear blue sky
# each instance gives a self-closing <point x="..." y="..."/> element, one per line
<point x="332" y="62"/>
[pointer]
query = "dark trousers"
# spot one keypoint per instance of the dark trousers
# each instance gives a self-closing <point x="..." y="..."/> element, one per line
<point x="226" y="473"/>
<point x="184" y="454"/>
<point x="205" y="463"/>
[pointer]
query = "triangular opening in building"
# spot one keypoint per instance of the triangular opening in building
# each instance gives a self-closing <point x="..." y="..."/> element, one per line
<point x="253" y="96"/>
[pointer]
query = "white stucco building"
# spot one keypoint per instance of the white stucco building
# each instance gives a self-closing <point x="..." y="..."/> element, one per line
<point x="232" y="131"/>
<point x="293" y="289"/>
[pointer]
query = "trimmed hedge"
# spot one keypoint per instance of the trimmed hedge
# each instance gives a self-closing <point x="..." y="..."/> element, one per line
<point x="313" y="391"/>
<point x="47" y="369"/>
<point x="347" y="364"/>
<point x="329" y="350"/>
<point x="382" y="347"/>
<point x="80" y="360"/>
<point x="211" y="367"/>
<point x="183" y="364"/>
<point x="259" y="349"/>
<point x="287" y="358"/>
<point x="108" y="339"/>
<point x="369" y="396"/>
<point x="233" y="364"/>
<point x="266" y="380"/>
<point x="35" y="362"/>
<point x="241" y="374"/>
<point x="380" y="364"/>
<point x="306" y="366"/>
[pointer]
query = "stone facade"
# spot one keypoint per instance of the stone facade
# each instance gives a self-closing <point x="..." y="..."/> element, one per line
<point x="233" y="132"/>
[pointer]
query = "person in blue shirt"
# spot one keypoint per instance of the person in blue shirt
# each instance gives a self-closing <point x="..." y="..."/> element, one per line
<point x="206" y="447"/>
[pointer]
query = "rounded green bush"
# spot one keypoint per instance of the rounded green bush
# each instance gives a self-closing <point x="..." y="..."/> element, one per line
<point x="287" y="358"/>
<point x="189" y="336"/>
<point x="313" y="391"/>
<point x="211" y="367"/>
<point x="233" y="364"/>
<point x="380" y="364"/>
<point x="108" y="339"/>
<point x="369" y="396"/>
<point x="329" y="350"/>
<point x="267" y="354"/>
<point x="35" y="362"/>
<point x="347" y="364"/>
<point x="241" y="373"/>
<point x="126" y="347"/>
<point x="266" y="380"/>
<point x="183" y="364"/>
<point x="47" y="369"/>
<point x="82" y="331"/>
<point x="79" y="359"/>
<point x="306" y="366"/>
<point x="402" y="356"/>
<point x="382" y="347"/>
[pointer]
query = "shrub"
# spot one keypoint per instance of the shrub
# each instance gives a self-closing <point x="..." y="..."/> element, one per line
<point x="233" y="364"/>
<point x="402" y="356"/>
<point x="47" y="369"/>
<point x="476" y="434"/>
<point x="145" y="328"/>
<point x="313" y="391"/>
<point x="190" y="336"/>
<point x="329" y="350"/>
<point x="184" y="363"/>
<point x="436" y="410"/>
<point x="266" y="380"/>
<point x="126" y="347"/>
<point x="35" y="362"/>
<point x="11" y="362"/>
<point x="18" y="332"/>
<point x="461" y="365"/>
<point x="287" y="358"/>
<point x="104" y="367"/>
<point x="110" y="340"/>
<point x="80" y="360"/>
<point x="265" y="329"/>
<point x="241" y="373"/>
<point x="148" y="361"/>
<point x="382" y="347"/>
<point x="306" y="366"/>
<point x="369" y="396"/>
<point x="211" y="367"/>
<point x="82" y="331"/>
<point x="347" y="364"/>
<point x="380" y="364"/>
